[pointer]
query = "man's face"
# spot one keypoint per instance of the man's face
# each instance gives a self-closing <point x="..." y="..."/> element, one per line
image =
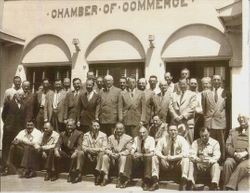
<point x="58" y="85"/>
<point x="17" y="83"/>
<point x="163" y="87"/>
<point x="89" y="85"/>
<point x="26" y="86"/>
<point x="193" y="84"/>
<point x="143" y="133"/>
<point x="29" y="127"/>
<point x="95" y="127"/>
<point x="99" y="83"/>
<point x="47" y="129"/>
<point x="77" y="84"/>
<point x="46" y="84"/>
<point x="119" y="129"/>
<point x="243" y="121"/>
<point x="131" y="83"/>
<point x="122" y="84"/>
<point x="157" y="121"/>
<point x="216" y="81"/>
<point x="183" y="85"/>
<point x="206" y="85"/>
<point x="204" y="136"/>
<point x="90" y="75"/>
<point x="142" y="84"/>
<point x="184" y="74"/>
<point x="173" y="131"/>
<point x="108" y="82"/>
<point x="152" y="82"/>
<point x="168" y="78"/>
<point x="70" y="126"/>
<point x="66" y="83"/>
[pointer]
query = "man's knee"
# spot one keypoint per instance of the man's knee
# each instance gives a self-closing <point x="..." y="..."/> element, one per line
<point x="105" y="158"/>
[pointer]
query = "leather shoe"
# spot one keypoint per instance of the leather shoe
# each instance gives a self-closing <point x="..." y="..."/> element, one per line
<point x="47" y="176"/>
<point x="189" y="185"/>
<point x="154" y="187"/>
<point x="125" y="183"/>
<point x="183" y="184"/>
<point x="97" y="180"/>
<point x="104" y="182"/>
<point x="31" y="174"/>
<point x="118" y="184"/>
<point x="69" y="178"/>
<point x="5" y="172"/>
<point x="54" y="177"/>
<point x="214" y="186"/>
<point x="145" y="187"/>
<point x="78" y="178"/>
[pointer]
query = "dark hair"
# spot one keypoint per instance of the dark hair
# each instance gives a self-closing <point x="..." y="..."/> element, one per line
<point x="17" y="77"/>
<point x="30" y="121"/>
<point x="132" y="77"/>
<point x="45" y="79"/>
<point x="99" y="77"/>
<point x="203" y="129"/>
<point x="95" y="121"/>
<point x="57" y="80"/>
<point x="75" y="79"/>
<point x="123" y="77"/>
<point x="153" y="76"/>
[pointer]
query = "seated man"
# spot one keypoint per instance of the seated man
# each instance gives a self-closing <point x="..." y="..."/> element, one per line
<point x="65" y="152"/>
<point x="171" y="154"/>
<point x="92" y="150"/>
<point x="158" y="129"/>
<point x="25" y="146"/>
<point x="204" y="158"/>
<point x="47" y="148"/>
<point x="119" y="146"/>
<point x="237" y="147"/>
<point x="142" y="152"/>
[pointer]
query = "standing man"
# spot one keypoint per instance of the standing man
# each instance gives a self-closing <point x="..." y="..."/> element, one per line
<point x="142" y="84"/>
<point x="158" y="129"/>
<point x="99" y="84"/>
<point x="66" y="85"/>
<point x="25" y="148"/>
<point x="108" y="114"/>
<point x="90" y="75"/>
<point x="47" y="148"/>
<point x="184" y="75"/>
<point x="204" y="158"/>
<point x="71" y="101"/>
<point x="132" y="106"/>
<point x="88" y="107"/>
<point x="91" y="151"/>
<point x="182" y="108"/>
<point x="54" y="107"/>
<point x="119" y="146"/>
<point x="9" y="93"/>
<point x="171" y="155"/>
<point x="40" y="99"/>
<point x="206" y="83"/>
<point x="171" y="86"/>
<point x="153" y="80"/>
<point x="161" y="102"/>
<point x="142" y="152"/>
<point x="13" y="117"/>
<point x="214" y="108"/>
<point x="236" y="166"/>
<point x="28" y="101"/>
<point x="123" y="83"/>
<point x="65" y="154"/>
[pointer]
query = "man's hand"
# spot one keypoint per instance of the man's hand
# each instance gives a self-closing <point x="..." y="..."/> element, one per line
<point x="78" y="124"/>
<point x="36" y="146"/>
<point x="65" y="121"/>
<point x="141" y="123"/>
<point x="137" y="155"/>
<point x="57" y="154"/>
<point x="115" y="155"/>
<point x="170" y="158"/>
<point x="74" y="155"/>
<point x="179" y="118"/>
<point x="16" y="141"/>
<point x="44" y="155"/>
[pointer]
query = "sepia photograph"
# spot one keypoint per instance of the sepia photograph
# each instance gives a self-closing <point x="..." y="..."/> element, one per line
<point x="124" y="95"/>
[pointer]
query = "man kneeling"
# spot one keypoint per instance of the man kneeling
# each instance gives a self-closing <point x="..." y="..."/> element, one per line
<point x="171" y="155"/>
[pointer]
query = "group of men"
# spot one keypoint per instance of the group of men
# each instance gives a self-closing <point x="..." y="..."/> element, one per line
<point x="155" y="130"/>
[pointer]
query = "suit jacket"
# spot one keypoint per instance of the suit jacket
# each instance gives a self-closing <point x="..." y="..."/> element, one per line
<point x="69" y="143"/>
<point x="70" y="105"/>
<point x="161" y="105"/>
<point x="214" y="113"/>
<point x="132" y="110"/>
<point x="88" y="111"/>
<point x="123" y="145"/>
<point x="13" y="117"/>
<point x="109" y="105"/>
<point x="185" y="107"/>
<point x="149" y="94"/>
<point x="38" y="100"/>
<point x="29" y="105"/>
<point x="48" y="109"/>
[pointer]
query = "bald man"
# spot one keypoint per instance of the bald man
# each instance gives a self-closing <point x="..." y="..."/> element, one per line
<point x="214" y="104"/>
<point x="108" y="114"/>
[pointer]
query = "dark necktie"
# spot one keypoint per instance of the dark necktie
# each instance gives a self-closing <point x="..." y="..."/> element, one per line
<point x="182" y="94"/>
<point x="215" y="96"/>
<point x="172" y="148"/>
<point x="142" y="146"/>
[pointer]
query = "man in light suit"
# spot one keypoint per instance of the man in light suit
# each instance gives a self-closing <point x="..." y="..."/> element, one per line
<point x="54" y="107"/>
<point x="40" y="99"/>
<point x="71" y="101"/>
<point x="132" y="108"/>
<point x="88" y="107"/>
<point x="214" y="109"/>
<point x="161" y="102"/>
<point x="171" y="86"/>
<point x="108" y="114"/>
<point x="119" y="146"/>
<point x="9" y="93"/>
<point x="182" y="108"/>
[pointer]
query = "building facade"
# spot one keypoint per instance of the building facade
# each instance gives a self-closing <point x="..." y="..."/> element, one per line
<point x="123" y="37"/>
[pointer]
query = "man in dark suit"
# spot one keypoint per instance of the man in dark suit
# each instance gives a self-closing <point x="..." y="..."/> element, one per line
<point x="108" y="115"/>
<point x="54" y="107"/>
<point x="132" y="108"/>
<point x="28" y="101"/>
<point x="66" y="84"/>
<point x="171" y="86"/>
<point x="99" y="84"/>
<point x="123" y="83"/>
<point x="65" y="153"/>
<point x="71" y="101"/>
<point x="88" y="107"/>
<point x="13" y="117"/>
<point x="40" y="99"/>
<point x="214" y="109"/>
<point x="161" y="102"/>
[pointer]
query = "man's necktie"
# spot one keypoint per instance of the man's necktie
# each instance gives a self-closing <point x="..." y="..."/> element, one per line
<point x="142" y="146"/>
<point x="172" y="148"/>
<point x="215" y="95"/>
<point x="182" y="94"/>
